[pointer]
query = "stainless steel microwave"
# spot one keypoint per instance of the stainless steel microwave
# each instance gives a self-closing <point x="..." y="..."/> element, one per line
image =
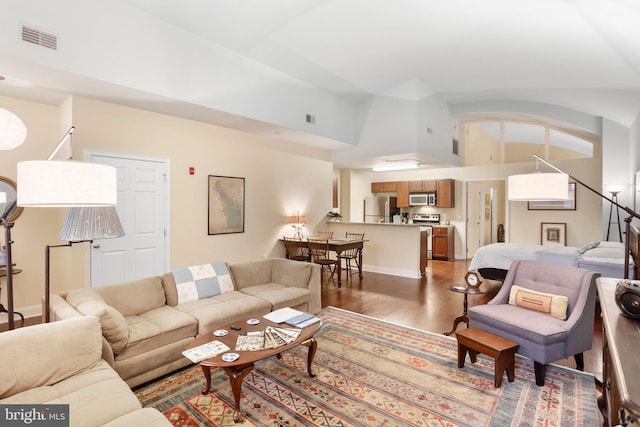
<point x="422" y="199"/>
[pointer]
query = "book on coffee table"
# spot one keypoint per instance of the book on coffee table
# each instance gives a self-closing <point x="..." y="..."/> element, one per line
<point x="282" y="314"/>
<point x="310" y="321"/>
<point x="205" y="351"/>
<point x="294" y="321"/>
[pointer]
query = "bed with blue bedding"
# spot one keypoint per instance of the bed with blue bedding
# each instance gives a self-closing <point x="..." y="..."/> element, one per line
<point x="607" y="258"/>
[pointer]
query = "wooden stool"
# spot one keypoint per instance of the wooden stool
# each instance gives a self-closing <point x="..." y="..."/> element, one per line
<point x="501" y="350"/>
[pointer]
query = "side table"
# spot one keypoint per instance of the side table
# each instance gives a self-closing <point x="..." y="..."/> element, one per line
<point x="466" y="291"/>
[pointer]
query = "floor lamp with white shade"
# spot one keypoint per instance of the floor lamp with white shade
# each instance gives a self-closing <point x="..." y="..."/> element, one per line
<point x="52" y="183"/>
<point x="82" y="224"/>
<point x="555" y="187"/>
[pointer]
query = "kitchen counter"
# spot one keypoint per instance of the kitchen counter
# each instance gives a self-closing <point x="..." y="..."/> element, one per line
<point x="374" y="223"/>
<point x="391" y="248"/>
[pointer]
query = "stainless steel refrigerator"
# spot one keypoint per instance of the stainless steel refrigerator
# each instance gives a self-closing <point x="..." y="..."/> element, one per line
<point x="380" y="209"/>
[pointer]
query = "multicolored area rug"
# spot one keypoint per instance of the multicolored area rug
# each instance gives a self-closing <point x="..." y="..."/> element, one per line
<point x="374" y="373"/>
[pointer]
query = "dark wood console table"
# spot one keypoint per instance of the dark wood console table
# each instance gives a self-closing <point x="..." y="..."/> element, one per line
<point x="620" y="342"/>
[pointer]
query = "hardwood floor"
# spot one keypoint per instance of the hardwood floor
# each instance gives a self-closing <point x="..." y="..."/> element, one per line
<point x="427" y="303"/>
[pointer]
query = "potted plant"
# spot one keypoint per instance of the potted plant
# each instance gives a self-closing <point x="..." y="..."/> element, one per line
<point x="334" y="216"/>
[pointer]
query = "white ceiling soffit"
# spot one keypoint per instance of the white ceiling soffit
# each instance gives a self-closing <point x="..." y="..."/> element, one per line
<point x="580" y="55"/>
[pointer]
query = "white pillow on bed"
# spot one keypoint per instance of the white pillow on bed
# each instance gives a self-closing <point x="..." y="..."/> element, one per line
<point x="606" y="252"/>
<point x="611" y="245"/>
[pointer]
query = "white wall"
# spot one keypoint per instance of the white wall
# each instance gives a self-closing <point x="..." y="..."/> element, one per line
<point x="616" y="171"/>
<point x="277" y="184"/>
<point x="634" y="165"/>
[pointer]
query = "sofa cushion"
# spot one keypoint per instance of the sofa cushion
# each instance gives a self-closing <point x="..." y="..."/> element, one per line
<point x="224" y="309"/>
<point x="157" y="328"/>
<point x="135" y="297"/>
<point x="279" y="296"/>
<point x="113" y="324"/>
<point x="291" y="274"/>
<point x="202" y="281"/>
<point x="95" y="397"/>
<point x="252" y="273"/>
<point x="45" y="354"/>
<point x="554" y="305"/>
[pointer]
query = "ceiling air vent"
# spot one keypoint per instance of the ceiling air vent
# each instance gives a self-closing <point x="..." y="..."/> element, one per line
<point x="41" y="38"/>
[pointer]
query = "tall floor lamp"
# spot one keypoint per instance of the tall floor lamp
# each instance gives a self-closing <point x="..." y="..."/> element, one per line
<point x="8" y="225"/>
<point x="614" y="190"/>
<point x="82" y="224"/>
<point x="52" y="183"/>
<point x="535" y="186"/>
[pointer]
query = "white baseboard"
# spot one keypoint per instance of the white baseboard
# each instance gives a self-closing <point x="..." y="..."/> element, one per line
<point x="27" y="312"/>
<point x="392" y="271"/>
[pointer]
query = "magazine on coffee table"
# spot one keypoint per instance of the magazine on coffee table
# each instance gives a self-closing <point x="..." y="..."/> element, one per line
<point x="270" y="337"/>
<point x="250" y="341"/>
<point x="205" y="351"/>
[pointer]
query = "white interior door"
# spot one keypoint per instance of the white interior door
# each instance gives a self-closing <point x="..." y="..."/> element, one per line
<point x="143" y="210"/>
<point x="474" y="219"/>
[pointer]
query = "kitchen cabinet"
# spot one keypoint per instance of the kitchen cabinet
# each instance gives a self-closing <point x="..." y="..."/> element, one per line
<point x="384" y="187"/>
<point x="422" y="185"/>
<point x="445" y="193"/>
<point x="442" y="243"/>
<point x="403" y="194"/>
<point x="620" y="341"/>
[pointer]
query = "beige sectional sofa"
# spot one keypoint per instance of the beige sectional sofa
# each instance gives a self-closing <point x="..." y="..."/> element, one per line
<point x="145" y="328"/>
<point x="61" y="363"/>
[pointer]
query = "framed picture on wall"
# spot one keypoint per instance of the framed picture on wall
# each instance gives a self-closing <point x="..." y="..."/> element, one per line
<point x="555" y="205"/>
<point x="553" y="233"/>
<point x="226" y="205"/>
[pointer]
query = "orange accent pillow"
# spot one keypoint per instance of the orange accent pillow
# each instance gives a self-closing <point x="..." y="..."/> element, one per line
<point x="553" y="305"/>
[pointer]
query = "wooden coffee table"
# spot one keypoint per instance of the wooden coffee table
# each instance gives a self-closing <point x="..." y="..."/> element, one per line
<point x="239" y="368"/>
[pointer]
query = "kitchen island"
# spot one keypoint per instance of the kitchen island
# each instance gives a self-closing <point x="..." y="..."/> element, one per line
<point x="395" y="249"/>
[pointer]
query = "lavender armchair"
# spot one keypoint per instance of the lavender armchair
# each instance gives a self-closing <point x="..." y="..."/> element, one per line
<point x="542" y="337"/>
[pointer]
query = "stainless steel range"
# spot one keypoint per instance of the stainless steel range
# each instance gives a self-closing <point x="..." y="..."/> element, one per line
<point x="427" y="221"/>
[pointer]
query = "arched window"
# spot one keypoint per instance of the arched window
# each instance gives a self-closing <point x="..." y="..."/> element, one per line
<point x="501" y="141"/>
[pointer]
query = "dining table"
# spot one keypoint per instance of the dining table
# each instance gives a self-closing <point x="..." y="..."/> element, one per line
<point x="339" y="245"/>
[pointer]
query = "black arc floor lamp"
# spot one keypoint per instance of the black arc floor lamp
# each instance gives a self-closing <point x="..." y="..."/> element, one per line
<point x="540" y="186"/>
<point x="8" y="225"/>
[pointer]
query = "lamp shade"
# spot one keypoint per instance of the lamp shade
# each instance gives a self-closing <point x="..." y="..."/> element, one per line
<point x="68" y="183"/>
<point x="614" y="188"/>
<point x="297" y="219"/>
<point x="13" y="132"/>
<point x="538" y="186"/>
<point x="3" y="197"/>
<point x="89" y="223"/>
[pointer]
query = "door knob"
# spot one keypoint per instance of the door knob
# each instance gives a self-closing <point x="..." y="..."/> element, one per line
<point x="96" y="245"/>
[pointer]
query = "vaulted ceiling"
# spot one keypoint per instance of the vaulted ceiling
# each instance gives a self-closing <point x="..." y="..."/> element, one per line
<point x="248" y="64"/>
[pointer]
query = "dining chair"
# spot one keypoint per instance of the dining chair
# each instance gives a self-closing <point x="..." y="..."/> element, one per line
<point x="324" y="235"/>
<point x="295" y="249"/>
<point x="320" y="254"/>
<point x="351" y="254"/>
